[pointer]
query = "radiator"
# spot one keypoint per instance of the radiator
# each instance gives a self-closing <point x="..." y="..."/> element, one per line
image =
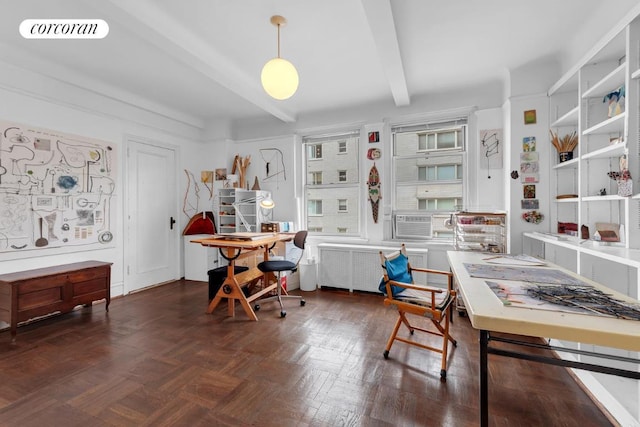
<point x="357" y="267"/>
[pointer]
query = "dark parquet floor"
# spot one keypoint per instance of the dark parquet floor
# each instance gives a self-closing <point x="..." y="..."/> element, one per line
<point x="158" y="359"/>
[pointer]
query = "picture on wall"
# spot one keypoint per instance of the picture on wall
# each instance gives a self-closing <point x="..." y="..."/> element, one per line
<point x="529" y="143"/>
<point x="529" y="191"/>
<point x="56" y="189"/>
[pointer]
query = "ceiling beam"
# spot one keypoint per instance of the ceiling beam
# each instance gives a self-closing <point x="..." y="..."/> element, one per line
<point x="380" y="19"/>
<point x="146" y="19"/>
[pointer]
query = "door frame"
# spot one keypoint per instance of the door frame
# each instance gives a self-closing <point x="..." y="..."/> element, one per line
<point x="130" y="232"/>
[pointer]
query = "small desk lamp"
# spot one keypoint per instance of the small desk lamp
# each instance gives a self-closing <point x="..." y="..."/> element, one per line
<point x="266" y="202"/>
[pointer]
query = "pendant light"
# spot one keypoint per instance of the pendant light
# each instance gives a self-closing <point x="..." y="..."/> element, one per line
<point x="279" y="77"/>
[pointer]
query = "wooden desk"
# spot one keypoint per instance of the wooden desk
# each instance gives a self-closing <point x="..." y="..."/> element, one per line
<point x="488" y="314"/>
<point x="231" y="288"/>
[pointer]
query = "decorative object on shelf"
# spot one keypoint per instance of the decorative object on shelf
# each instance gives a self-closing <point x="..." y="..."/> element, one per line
<point x="566" y="196"/>
<point x="240" y="165"/>
<point x="607" y="232"/>
<point x="584" y="232"/>
<point x="374" y="191"/>
<point x="514" y="174"/>
<point x="623" y="178"/>
<point x="529" y="143"/>
<point x="491" y="147"/>
<point x="374" y="153"/>
<point x="533" y="217"/>
<point x="616" y="101"/>
<point x="530" y="117"/>
<point x="374" y="137"/>
<point x="279" y="77"/>
<point x="564" y="145"/>
<point x="231" y="181"/>
<point x="256" y="184"/>
<point x="570" y="228"/>
<point x="602" y="192"/>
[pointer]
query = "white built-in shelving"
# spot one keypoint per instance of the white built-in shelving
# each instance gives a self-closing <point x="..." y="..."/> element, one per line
<point x="578" y="104"/>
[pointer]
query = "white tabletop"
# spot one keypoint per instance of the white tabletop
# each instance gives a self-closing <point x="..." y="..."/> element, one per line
<point x="487" y="312"/>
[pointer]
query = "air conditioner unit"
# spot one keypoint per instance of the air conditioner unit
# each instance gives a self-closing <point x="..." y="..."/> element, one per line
<point x="413" y="226"/>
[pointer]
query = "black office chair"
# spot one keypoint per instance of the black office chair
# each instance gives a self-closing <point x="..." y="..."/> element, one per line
<point x="278" y="266"/>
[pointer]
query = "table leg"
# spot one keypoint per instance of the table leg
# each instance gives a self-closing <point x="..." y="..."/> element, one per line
<point x="484" y="379"/>
<point x="232" y="291"/>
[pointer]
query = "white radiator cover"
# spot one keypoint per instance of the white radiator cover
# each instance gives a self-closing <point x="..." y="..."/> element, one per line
<point x="357" y="267"/>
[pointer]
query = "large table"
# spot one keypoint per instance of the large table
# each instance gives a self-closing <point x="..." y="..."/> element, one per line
<point x="231" y="247"/>
<point x="488" y="314"/>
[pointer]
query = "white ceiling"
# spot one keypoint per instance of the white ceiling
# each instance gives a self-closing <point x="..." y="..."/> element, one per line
<point x="200" y="60"/>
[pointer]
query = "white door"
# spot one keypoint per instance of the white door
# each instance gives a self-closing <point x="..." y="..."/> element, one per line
<point x="151" y="248"/>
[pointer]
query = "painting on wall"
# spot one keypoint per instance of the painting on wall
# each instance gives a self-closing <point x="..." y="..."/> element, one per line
<point x="56" y="190"/>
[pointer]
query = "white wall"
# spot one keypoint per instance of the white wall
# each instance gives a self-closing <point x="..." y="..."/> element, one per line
<point x="39" y="101"/>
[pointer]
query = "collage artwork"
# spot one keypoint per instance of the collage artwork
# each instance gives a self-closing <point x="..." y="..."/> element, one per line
<point x="56" y="190"/>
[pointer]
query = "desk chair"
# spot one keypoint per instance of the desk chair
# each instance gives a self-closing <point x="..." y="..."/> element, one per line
<point x="408" y="298"/>
<point x="278" y="266"/>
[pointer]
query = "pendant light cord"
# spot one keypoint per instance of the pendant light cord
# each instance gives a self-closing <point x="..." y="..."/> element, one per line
<point x="278" y="40"/>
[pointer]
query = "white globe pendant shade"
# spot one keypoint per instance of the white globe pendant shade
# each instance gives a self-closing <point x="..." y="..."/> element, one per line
<point x="279" y="78"/>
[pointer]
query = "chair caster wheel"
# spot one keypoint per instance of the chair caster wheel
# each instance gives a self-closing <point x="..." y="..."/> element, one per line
<point x="386" y="354"/>
<point x="302" y="302"/>
<point x="256" y="307"/>
<point x="283" y="314"/>
<point x="443" y="375"/>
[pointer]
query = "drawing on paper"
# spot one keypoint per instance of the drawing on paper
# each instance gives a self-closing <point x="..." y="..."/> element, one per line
<point x="56" y="189"/>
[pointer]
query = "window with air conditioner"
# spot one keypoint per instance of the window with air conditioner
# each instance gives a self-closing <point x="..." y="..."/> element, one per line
<point x="428" y="178"/>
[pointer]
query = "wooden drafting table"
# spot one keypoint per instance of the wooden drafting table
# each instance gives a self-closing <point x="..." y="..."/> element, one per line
<point x="230" y="246"/>
<point x="488" y="314"/>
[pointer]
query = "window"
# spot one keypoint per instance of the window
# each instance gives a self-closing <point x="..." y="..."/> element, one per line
<point x="314" y="207"/>
<point x="314" y="151"/>
<point x="342" y="147"/>
<point x="332" y="201"/>
<point x="316" y="178"/>
<point x="428" y="172"/>
<point x="441" y="139"/>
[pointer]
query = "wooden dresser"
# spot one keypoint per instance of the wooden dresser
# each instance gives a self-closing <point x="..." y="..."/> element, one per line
<point x="25" y="295"/>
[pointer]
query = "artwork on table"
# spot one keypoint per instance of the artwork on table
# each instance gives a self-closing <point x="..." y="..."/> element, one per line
<point x="491" y="147"/>
<point x="373" y="185"/>
<point x="523" y="273"/>
<point x="530" y="117"/>
<point x="530" y="204"/>
<point x="569" y="298"/>
<point x="529" y="144"/>
<point x="529" y="191"/>
<point x="57" y="190"/>
<point x="374" y="136"/>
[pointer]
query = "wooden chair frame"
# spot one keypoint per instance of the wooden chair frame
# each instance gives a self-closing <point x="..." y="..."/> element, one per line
<point x="428" y="308"/>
